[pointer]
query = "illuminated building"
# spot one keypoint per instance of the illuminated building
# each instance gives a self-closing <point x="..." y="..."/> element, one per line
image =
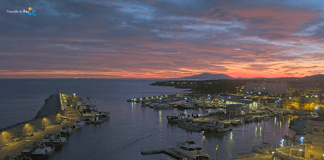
<point x="314" y="141"/>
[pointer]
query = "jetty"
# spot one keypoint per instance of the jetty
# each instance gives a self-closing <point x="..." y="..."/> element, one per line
<point x="169" y="152"/>
<point x="59" y="110"/>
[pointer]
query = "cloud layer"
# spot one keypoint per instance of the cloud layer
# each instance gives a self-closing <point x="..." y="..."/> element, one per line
<point x="161" y="38"/>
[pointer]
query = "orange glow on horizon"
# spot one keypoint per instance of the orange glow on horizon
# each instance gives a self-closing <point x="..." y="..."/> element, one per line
<point x="134" y="75"/>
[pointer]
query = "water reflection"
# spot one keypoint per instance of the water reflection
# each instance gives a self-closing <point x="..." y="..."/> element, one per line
<point x="231" y="136"/>
<point x="275" y="120"/>
<point x="160" y="118"/>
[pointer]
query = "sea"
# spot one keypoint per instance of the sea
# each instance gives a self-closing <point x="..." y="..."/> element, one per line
<point x="131" y="127"/>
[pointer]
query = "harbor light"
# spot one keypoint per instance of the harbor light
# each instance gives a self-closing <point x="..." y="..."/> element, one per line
<point x="132" y="99"/>
<point x="316" y="108"/>
<point x="301" y="139"/>
<point x="185" y="98"/>
<point x="244" y="97"/>
<point x="208" y="98"/>
<point x="259" y="92"/>
<point x="160" y="98"/>
<point x="282" y="142"/>
<point x="73" y="94"/>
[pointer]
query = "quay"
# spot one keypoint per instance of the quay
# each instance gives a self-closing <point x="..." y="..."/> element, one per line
<point x="168" y="152"/>
<point x="59" y="110"/>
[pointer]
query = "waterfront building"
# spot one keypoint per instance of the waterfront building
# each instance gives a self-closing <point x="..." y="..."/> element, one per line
<point x="314" y="141"/>
<point x="250" y="104"/>
<point x="272" y="89"/>
<point x="237" y="109"/>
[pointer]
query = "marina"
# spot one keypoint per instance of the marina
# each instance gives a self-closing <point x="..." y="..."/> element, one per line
<point x="146" y="128"/>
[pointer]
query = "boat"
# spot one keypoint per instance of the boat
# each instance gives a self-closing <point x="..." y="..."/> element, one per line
<point x="56" y="141"/>
<point x="258" y="119"/>
<point x="212" y="126"/>
<point x="186" y="106"/>
<point x="191" y="126"/>
<point x="248" y="119"/>
<point x="190" y="149"/>
<point x="79" y="124"/>
<point x="42" y="152"/>
<point x="27" y="151"/>
<point x="224" y="129"/>
<point x="66" y="130"/>
<point x="176" y="119"/>
<point x="236" y="122"/>
<point x="203" y="114"/>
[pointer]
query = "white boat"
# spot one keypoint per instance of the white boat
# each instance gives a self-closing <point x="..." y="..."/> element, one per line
<point x="42" y="151"/>
<point x="203" y="114"/>
<point x="79" y="124"/>
<point x="190" y="149"/>
<point x="66" y="130"/>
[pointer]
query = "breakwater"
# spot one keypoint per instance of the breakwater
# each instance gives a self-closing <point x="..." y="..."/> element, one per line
<point x="56" y="112"/>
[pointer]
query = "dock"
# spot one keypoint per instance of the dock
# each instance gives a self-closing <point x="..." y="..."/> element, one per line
<point x="47" y="122"/>
<point x="169" y="152"/>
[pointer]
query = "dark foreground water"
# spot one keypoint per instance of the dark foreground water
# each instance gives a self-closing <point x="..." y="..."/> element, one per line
<point x="131" y="128"/>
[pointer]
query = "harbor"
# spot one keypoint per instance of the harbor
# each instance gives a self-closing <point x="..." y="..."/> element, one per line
<point x="136" y="129"/>
<point x="58" y="118"/>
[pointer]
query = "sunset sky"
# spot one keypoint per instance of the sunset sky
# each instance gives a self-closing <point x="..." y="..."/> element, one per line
<point x="161" y="38"/>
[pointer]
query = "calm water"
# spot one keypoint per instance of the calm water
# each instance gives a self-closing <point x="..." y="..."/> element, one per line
<point x="131" y="128"/>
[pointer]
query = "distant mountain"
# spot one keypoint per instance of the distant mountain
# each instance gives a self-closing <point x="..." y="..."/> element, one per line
<point x="208" y="76"/>
<point x="317" y="77"/>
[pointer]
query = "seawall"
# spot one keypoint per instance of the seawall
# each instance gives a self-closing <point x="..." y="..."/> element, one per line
<point x="48" y="115"/>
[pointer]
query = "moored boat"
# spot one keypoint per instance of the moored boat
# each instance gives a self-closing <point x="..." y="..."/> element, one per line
<point x="225" y="129"/>
<point x="42" y="152"/>
<point x="79" y="124"/>
<point x="191" y="149"/>
<point x="176" y="119"/>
